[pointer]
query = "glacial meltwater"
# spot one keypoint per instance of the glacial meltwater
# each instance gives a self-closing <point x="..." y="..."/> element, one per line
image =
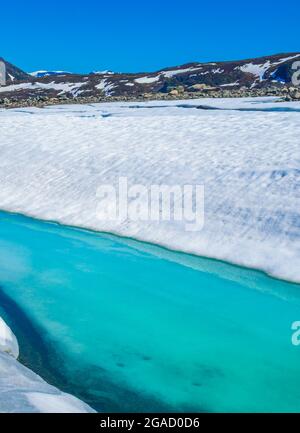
<point x="127" y="326"/>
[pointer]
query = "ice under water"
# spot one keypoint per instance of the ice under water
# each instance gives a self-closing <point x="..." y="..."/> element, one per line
<point x="127" y="326"/>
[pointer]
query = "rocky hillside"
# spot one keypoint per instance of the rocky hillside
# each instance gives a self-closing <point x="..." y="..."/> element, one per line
<point x="251" y="75"/>
<point x="13" y="73"/>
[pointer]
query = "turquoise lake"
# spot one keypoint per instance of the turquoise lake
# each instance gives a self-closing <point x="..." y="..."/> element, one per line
<point x="128" y="326"/>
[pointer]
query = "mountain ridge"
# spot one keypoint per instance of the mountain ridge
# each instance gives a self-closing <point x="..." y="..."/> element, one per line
<point x="254" y="74"/>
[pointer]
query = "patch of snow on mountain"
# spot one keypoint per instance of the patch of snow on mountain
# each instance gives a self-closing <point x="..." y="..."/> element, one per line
<point x="285" y="59"/>
<point x="256" y="70"/>
<point x="105" y="72"/>
<point x="236" y="83"/>
<point x="40" y="74"/>
<point x="67" y="87"/>
<point x="171" y="73"/>
<point x="147" y="80"/>
<point x="15" y="87"/>
<point x="166" y="74"/>
<point x="259" y="70"/>
<point x="217" y="71"/>
<point x="106" y="86"/>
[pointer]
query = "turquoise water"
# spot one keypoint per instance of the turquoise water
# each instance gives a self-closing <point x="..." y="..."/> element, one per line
<point x="132" y="327"/>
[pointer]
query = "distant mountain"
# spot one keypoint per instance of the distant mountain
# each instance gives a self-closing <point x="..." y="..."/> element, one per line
<point x="41" y="74"/>
<point x="258" y="73"/>
<point x="13" y="73"/>
<point x="106" y="71"/>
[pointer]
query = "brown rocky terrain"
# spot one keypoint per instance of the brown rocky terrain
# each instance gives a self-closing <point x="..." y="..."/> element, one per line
<point x="270" y="75"/>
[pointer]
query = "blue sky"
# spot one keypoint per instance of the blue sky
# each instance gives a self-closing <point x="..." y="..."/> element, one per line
<point x="132" y="35"/>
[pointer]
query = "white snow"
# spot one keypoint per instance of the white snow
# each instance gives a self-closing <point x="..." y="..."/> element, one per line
<point x="62" y="87"/>
<point x="105" y="86"/>
<point x="53" y="160"/>
<point x="147" y="80"/>
<point x="56" y="403"/>
<point x="285" y="59"/>
<point x="217" y="71"/>
<point x="45" y="73"/>
<point x="105" y="72"/>
<point x="236" y="83"/>
<point x="8" y="341"/>
<point x="13" y="87"/>
<point x="21" y="390"/>
<point x="171" y="73"/>
<point x="258" y="70"/>
<point x="167" y="74"/>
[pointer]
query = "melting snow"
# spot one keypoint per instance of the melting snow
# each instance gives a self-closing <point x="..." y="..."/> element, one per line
<point x="53" y="160"/>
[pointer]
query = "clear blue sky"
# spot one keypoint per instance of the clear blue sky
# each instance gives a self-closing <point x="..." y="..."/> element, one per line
<point x="132" y="35"/>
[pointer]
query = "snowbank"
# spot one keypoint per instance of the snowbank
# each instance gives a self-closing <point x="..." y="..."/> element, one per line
<point x="21" y="390"/>
<point x="53" y="161"/>
<point x="8" y="341"/>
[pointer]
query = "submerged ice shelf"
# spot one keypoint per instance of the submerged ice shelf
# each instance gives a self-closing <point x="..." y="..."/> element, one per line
<point x="127" y="326"/>
<point x="53" y="160"/>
